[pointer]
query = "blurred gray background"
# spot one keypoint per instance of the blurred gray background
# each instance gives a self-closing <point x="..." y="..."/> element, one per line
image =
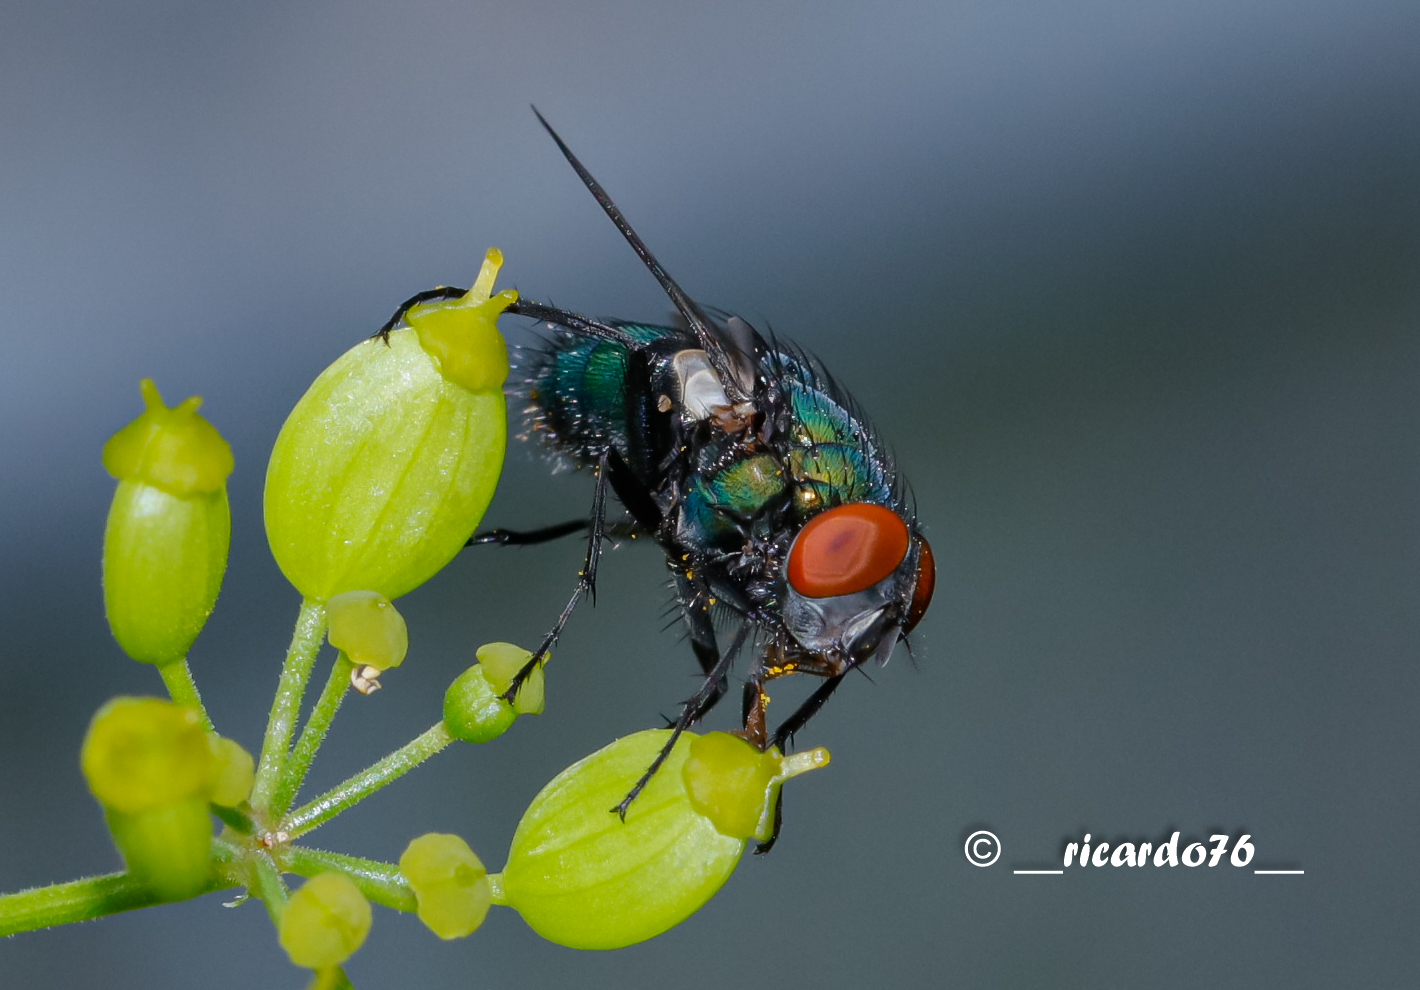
<point x="1130" y="286"/>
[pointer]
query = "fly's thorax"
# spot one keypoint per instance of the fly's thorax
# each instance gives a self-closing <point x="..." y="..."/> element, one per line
<point x="735" y="494"/>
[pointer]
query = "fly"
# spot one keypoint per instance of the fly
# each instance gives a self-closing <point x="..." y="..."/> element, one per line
<point x="772" y="498"/>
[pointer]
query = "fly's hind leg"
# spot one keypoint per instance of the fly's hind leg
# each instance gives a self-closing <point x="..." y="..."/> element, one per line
<point x="586" y="579"/>
<point x="625" y="530"/>
<point x="527" y="538"/>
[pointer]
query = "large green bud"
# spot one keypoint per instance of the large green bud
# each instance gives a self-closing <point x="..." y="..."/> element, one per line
<point x="581" y="877"/>
<point x="388" y="461"/>
<point x="165" y="545"/>
<point x="150" y="763"/>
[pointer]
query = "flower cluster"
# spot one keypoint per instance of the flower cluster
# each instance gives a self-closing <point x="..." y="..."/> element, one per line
<point x="377" y="479"/>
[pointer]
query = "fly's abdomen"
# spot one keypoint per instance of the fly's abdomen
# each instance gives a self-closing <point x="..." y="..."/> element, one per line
<point x="577" y="390"/>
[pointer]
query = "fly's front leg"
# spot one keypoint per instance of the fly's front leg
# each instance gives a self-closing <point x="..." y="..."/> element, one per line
<point x="694" y="709"/>
<point x="807" y="710"/>
<point x="586" y="579"/>
<point x="754" y="711"/>
<point x="770" y="667"/>
<point x="627" y="530"/>
<point x="775" y="662"/>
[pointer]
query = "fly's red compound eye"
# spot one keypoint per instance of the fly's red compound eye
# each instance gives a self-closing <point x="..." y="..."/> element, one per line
<point x="926" y="584"/>
<point x="847" y="549"/>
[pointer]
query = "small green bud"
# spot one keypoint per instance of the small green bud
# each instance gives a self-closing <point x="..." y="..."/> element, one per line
<point x="449" y="883"/>
<point x="388" y="461"/>
<point x="145" y="753"/>
<point x="168" y="848"/>
<point x="501" y="663"/>
<point x="169" y="526"/>
<point x="324" y="922"/>
<point x="367" y="628"/>
<point x="231" y="773"/>
<point x="473" y="711"/>
<point x="581" y="877"/>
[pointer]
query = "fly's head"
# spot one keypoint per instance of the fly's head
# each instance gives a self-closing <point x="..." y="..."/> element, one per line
<point x="857" y="580"/>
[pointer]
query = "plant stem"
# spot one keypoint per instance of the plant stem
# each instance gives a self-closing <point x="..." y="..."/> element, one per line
<point x="317" y="725"/>
<point x="91" y="897"/>
<point x="330" y="978"/>
<point x="182" y="688"/>
<point x="380" y="882"/>
<point x="78" y="900"/>
<point x="267" y="885"/>
<point x="316" y="813"/>
<point x="300" y="658"/>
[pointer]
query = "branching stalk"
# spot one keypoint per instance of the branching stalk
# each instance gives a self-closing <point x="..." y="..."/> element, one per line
<point x="354" y="790"/>
<point x="317" y="725"/>
<point x="78" y="900"/>
<point x="300" y="658"/>
<point x="381" y="883"/>
<point x="330" y="978"/>
<point x="268" y="887"/>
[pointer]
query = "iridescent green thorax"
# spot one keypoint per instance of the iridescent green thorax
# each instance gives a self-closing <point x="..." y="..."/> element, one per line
<point x="812" y="452"/>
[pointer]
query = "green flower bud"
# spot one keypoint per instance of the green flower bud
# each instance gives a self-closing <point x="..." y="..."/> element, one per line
<point x="474" y="709"/>
<point x="367" y="628"/>
<point x="449" y="883"/>
<point x="165" y="545"/>
<point x="324" y="922"/>
<point x="231" y="772"/>
<point x="581" y="877"/>
<point x="501" y="663"/>
<point x="387" y="463"/>
<point x="145" y="753"/>
<point x="168" y="848"/>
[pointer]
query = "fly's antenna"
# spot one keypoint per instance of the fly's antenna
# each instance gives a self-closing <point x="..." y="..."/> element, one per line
<point x="695" y="318"/>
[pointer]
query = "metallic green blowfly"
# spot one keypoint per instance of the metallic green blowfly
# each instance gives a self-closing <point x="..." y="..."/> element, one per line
<point x="774" y="501"/>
